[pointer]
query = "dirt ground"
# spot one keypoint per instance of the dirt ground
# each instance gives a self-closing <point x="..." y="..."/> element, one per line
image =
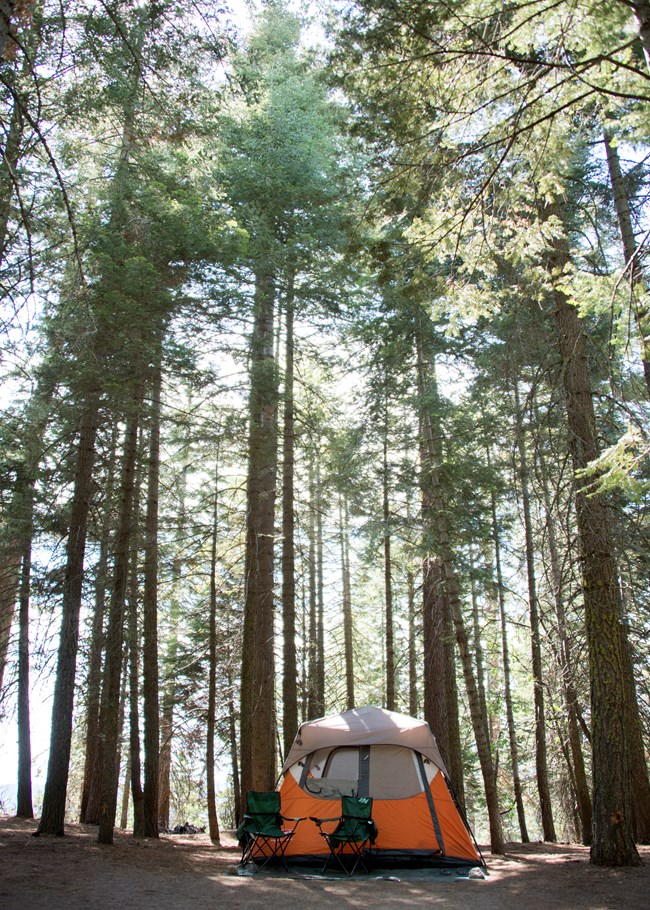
<point x="177" y="871"/>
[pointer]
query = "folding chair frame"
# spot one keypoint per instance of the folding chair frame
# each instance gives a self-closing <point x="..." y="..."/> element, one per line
<point x="262" y="834"/>
<point x="338" y="842"/>
<point x="277" y="844"/>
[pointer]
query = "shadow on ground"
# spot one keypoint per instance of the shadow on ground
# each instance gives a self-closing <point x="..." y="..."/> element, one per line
<point x="76" y="872"/>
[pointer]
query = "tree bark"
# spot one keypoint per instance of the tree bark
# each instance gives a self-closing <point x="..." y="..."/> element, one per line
<point x="289" y="671"/>
<point x="613" y="842"/>
<point x="11" y="154"/>
<point x="638" y="287"/>
<point x="24" y="807"/>
<point x="434" y="629"/>
<point x="133" y="760"/>
<point x="428" y="392"/>
<point x="53" y="813"/>
<point x="168" y="706"/>
<point x="348" y="628"/>
<point x="8" y="164"/>
<point x="435" y="530"/>
<point x="479" y="657"/>
<point x="10" y="566"/>
<point x="641" y="10"/>
<point x="412" y="646"/>
<point x="505" y="651"/>
<point x="234" y="763"/>
<point x="258" y="670"/>
<point x="94" y="674"/>
<point x="115" y="626"/>
<point x="18" y="516"/>
<point x="541" y="762"/>
<point x="320" y="597"/>
<point x="150" y="689"/>
<point x="126" y="786"/>
<point x="579" y="775"/>
<point x="213" y="821"/>
<point x="7" y="8"/>
<point x="311" y="682"/>
<point x="388" y="577"/>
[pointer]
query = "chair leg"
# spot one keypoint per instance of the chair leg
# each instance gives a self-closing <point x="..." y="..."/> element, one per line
<point x="360" y="859"/>
<point x="356" y="857"/>
<point x="264" y="848"/>
<point x="281" y="849"/>
<point x="335" y="853"/>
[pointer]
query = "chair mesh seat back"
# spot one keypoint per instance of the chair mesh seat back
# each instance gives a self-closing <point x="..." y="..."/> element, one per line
<point x="356" y="823"/>
<point x="262" y="815"/>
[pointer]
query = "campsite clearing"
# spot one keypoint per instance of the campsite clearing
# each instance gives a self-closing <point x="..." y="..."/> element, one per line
<point x="75" y="872"/>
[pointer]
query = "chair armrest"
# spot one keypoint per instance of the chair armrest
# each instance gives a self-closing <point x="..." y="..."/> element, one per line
<point x="318" y="821"/>
<point x="287" y="818"/>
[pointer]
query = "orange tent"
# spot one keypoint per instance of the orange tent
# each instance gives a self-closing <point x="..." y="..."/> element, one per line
<point x="390" y="757"/>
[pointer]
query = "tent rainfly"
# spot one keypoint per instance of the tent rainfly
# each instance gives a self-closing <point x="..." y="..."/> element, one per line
<point x="394" y="759"/>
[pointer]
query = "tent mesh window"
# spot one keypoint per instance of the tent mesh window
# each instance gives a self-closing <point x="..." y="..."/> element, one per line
<point x="389" y="771"/>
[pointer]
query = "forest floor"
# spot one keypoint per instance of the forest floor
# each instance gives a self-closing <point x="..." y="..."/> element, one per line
<point x="187" y="871"/>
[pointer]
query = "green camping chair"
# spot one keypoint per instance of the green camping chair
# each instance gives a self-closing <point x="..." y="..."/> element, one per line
<point x="262" y="835"/>
<point x="354" y="829"/>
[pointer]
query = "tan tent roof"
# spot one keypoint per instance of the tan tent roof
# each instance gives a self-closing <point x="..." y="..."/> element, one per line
<point x="365" y="726"/>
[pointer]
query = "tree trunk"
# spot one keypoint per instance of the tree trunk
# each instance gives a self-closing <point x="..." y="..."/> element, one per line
<point x="428" y="392"/>
<point x="124" y="677"/>
<point x="412" y="649"/>
<point x="234" y="763"/>
<point x="583" y="796"/>
<point x="348" y="630"/>
<point x="289" y="672"/>
<point x="639" y="784"/>
<point x="434" y="523"/>
<point x="258" y="670"/>
<point x="126" y="787"/>
<point x="171" y="654"/>
<point x="150" y="697"/>
<point x="133" y="760"/>
<point x="133" y="663"/>
<point x="30" y="39"/>
<point x="212" y="670"/>
<point x="311" y="682"/>
<point x="320" y="596"/>
<point x="541" y="764"/>
<point x="638" y="288"/>
<point x="434" y="609"/>
<point x="613" y="842"/>
<point x="10" y="567"/>
<point x="115" y="626"/>
<point x="505" y="651"/>
<point x="7" y="8"/>
<point x="53" y="813"/>
<point x="478" y="649"/>
<point x="8" y="163"/>
<point x="94" y="675"/>
<point x="167" y="734"/>
<point x="18" y="515"/>
<point x="24" y="807"/>
<point x="642" y="16"/>
<point x="388" y="579"/>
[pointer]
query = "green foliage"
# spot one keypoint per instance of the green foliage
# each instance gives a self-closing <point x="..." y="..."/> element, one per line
<point x="622" y="467"/>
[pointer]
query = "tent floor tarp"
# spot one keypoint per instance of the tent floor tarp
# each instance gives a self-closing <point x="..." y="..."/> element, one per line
<point x="388" y="873"/>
